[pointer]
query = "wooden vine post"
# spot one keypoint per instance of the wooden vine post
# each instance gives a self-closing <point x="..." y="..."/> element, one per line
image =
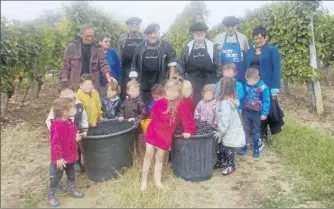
<point x="316" y="84"/>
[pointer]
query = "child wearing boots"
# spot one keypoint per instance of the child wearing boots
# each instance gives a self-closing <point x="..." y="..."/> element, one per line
<point x="158" y="92"/>
<point x="206" y="108"/>
<point x="229" y="70"/>
<point x="90" y="99"/>
<point x="111" y="103"/>
<point x="80" y="120"/>
<point x="256" y="108"/>
<point x="63" y="139"/>
<point x="230" y="133"/>
<point x="166" y="114"/>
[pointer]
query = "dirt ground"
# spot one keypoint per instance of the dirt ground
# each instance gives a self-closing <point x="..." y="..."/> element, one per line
<point x="24" y="176"/>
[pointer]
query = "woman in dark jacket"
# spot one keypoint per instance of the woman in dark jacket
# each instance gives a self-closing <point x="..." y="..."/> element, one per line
<point x="267" y="60"/>
<point x="199" y="60"/>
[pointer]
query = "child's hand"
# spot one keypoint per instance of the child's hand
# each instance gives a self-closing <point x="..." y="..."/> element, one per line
<point x="263" y="117"/>
<point x="61" y="164"/>
<point x="186" y="135"/>
<point x="131" y="119"/>
<point x="83" y="134"/>
<point x="216" y="135"/>
<point x="121" y="119"/>
<point x="78" y="137"/>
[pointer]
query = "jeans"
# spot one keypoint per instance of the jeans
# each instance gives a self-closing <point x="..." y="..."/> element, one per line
<point x="57" y="174"/>
<point x="252" y="124"/>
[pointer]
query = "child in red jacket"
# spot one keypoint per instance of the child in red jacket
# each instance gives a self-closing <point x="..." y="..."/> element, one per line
<point x="166" y="115"/>
<point x="64" y="136"/>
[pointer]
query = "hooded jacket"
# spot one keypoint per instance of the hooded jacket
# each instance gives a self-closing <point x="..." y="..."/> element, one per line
<point x="257" y="98"/>
<point x="92" y="105"/>
<point x="229" y="123"/>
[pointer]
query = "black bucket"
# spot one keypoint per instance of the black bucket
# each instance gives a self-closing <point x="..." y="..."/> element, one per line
<point x="108" y="149"/>
<point x="193" y="159"/>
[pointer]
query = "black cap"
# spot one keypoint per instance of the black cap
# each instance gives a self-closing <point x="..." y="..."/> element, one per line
<point x="230" y="21"/>
<point x="199" y="26"/>
<point x="152" y="28"/>
<point x="133" y="20"/>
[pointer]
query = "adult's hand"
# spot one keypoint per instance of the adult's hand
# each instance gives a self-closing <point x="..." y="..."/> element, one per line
<point x="111" y="79"/>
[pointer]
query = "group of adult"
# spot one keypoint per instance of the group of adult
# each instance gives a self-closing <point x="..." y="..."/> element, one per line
<point x="151" y="60"/>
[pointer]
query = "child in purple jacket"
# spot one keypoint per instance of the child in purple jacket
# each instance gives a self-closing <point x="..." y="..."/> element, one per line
<point x="206" y="108"/>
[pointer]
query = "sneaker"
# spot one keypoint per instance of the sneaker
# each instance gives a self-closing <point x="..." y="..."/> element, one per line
<point x="228" y="170"/>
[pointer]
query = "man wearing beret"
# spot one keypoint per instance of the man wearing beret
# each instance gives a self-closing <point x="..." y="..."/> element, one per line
<point x="232" y="46"/>
<point x="154" y="61"/>
<point x="126" y="47"/>
<point x="199" y="60"/>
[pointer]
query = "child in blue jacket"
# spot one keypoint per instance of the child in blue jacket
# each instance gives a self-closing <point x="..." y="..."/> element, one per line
<point x="229" y="70"/>
<point x="256" y="106"/>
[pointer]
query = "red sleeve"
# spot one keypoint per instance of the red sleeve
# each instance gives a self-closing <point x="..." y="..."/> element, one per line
<point x="187" y="120"/>
<point x="56" y="151"/>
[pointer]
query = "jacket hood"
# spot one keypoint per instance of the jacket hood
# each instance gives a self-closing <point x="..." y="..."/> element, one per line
<point x="234" y="102"/>
<point x="260" y="83"/>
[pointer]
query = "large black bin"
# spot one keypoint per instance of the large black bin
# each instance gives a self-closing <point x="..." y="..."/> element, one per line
<point x="193" y="159"/>
<point x="108" y="149"/>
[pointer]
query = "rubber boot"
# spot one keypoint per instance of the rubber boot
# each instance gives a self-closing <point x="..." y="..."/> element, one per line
<point x="243" y="150"/>
<point x="256" y="152"/>
<point x="72" y="190"/>
<point x="51" y="198"/>
<point x="60" y="190"/>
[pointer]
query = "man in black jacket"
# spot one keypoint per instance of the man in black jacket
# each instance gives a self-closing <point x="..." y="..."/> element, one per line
<point x="153" y="62"/>
<point x="126" y="47"/>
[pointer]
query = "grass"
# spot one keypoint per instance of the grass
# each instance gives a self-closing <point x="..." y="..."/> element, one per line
<point x="20" y="156"/>
<point x="307" y="152"/>
<point x="310" y="153"/>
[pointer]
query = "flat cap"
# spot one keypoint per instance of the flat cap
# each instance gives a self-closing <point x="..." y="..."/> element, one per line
<point x="152" y="28"/>
<point x="199" y="26"/>
<point x="133" y="20"/>
<point x="230" y="21"/>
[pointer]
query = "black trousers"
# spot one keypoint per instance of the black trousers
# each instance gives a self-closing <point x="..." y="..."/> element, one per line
<point x="56" y="174"/>
<point x="225" y="156"/>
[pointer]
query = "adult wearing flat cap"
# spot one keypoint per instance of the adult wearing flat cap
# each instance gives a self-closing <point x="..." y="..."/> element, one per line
<point x="199" y="60"/>
<point x="126" y="46"/>
<point x="154" y="61"/>
<point x="232" y="46"/>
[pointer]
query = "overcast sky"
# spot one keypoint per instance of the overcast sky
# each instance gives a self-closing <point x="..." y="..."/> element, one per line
<point x="162" y="12"/>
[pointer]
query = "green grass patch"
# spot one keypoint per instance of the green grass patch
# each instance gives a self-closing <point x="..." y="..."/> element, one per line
<point x="310" y="153"/>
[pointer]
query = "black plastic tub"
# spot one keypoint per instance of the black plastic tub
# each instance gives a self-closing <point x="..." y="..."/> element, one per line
<point x="193" y="159"/>
<point x="108" y="149"/>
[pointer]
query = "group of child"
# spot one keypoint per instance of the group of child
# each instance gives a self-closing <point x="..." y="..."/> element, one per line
<point x="73" y="113"/>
